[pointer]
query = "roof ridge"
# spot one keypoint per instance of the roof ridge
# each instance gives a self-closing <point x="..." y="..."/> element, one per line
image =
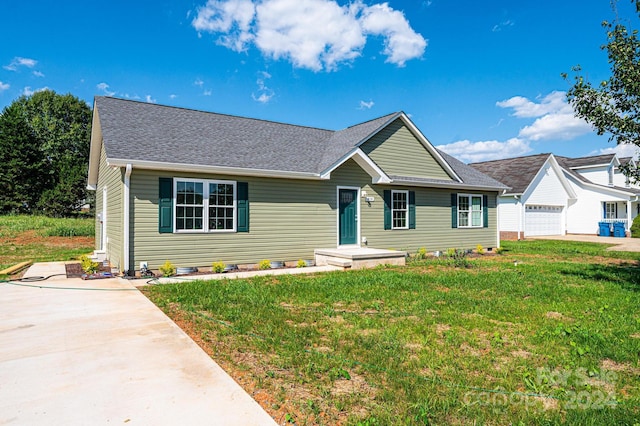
<point x="515" y="158"/>
<point x="214" y="113"/>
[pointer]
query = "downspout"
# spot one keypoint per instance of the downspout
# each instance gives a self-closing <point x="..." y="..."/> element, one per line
<point x="125" y="214"/>
<point x="519" y="202"/>
<point x="629" y="214"/>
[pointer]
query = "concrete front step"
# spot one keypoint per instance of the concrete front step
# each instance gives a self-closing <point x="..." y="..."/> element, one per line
<point x="359" y="257"/>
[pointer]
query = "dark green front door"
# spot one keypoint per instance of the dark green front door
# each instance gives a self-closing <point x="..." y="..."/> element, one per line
<point x="348" y="205"/>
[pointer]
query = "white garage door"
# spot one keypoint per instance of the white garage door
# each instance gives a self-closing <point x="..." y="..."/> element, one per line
<point x="543" y="220"/>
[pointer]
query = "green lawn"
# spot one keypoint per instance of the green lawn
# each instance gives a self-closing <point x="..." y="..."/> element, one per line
<point x="43" y="239"/>
<point x="554" y="339"/>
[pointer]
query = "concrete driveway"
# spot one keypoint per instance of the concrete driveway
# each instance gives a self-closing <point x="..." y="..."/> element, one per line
<point x="619" y="244"/>
<point x="99" y="352"/>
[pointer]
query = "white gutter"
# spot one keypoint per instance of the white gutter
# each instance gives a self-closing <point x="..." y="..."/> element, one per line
<point x="125" y="214"/>
<point x="176" y="167"/>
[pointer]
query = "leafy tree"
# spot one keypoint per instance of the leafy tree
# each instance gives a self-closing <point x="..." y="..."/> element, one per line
<point x="59" y="128"/>
<point x="20" y="182"/>
<point x="613" y="106"/>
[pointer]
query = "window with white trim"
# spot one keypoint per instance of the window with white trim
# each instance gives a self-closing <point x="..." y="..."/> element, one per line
<point x="399" y="209"/>
<point x="204" y="205"/>
<point x="611" y="210"/>
<point x="469" y="211"/>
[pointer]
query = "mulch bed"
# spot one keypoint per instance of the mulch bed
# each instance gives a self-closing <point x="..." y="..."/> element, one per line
<point x="74" y="270"/>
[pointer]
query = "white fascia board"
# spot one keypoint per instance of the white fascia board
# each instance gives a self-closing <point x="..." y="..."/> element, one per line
<point x="551" y="160"/>
<point x="591" y="166"/>
<point x="175" y="167"/>
<point x="452" y="185"/>
<point x="95" y="149"/>
<point x="560" y="173"/>
<point x="363" y="160"/>
<point x="625" y="195"/>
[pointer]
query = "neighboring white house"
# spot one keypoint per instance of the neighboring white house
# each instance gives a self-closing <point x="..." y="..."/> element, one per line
<point x="553" y="195"/>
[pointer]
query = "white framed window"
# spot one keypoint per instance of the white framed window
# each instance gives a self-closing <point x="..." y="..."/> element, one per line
<point x="469" y="211"/>
<point x="399" y="209"/>
<point x="610" y="210"/>
<point x="204" y="205"/>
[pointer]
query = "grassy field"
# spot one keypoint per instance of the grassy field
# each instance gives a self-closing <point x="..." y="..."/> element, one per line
<point x="43" y="239"/>
<point x="546" y="333"/>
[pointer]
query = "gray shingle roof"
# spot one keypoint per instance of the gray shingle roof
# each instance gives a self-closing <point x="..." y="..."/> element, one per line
<point x="593" y="160"/>
<point x="138" y="131"/>
<point x="141" y="131"/>
<point x="516" y="173"/>
<point x="470" y="175"/>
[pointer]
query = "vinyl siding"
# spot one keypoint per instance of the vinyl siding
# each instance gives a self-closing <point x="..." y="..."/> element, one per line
<point x="111" y="179"/>
<point x="397" y="151"/>
<point x="583" y="216"/>
<point x="510" y="211"/>
<point x="546" y="189"/>
<point x="291" y="218"/>
<point x="599" y="175"/>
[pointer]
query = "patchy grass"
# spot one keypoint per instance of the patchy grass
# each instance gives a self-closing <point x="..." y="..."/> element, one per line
<point x="43" y="239"/>
<point x="552" y="340"/>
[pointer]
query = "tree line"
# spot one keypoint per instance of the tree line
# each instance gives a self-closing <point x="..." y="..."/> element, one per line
<point x="44" y="154"/>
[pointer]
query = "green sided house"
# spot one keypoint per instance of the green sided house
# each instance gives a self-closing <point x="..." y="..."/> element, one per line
<point x="196" y="187"/>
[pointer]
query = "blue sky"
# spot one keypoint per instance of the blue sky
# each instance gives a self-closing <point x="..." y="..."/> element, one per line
<point x="481" y="80"/>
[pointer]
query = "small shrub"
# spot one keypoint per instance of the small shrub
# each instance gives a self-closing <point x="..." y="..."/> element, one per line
<point x="480" y="249"/>
<point x="421" y="253"/>
<point x="218" y="267"/>
<point x="451" y="252"/>
<point x="301" y="264"/>
<point x="88" y="265"/>
<point x="168" y="269"/>
<point x="635" y="227"/>
<point x="499" y="250"/>
<point x="264" y="264"/>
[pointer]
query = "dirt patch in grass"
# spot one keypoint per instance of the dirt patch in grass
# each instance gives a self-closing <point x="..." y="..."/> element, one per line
<point x="32" y="237"/>
<point x="557" y="316"/>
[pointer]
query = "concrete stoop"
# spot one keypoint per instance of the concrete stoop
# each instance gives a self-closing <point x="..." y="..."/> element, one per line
<point x="359" y="257"/>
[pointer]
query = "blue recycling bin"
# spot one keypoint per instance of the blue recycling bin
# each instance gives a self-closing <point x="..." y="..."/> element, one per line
<point x="619" y="230"/>
<point x="605" y="229"/>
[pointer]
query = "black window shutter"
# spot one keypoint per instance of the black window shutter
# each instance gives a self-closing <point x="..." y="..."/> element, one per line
<point x="412" y="210"/>
<point x="454" y="210"/>
<point x="387" y="209"/>
<point x="165" y="206"/>
<point x="243" y="206"/>
<point x="485" y="211"/>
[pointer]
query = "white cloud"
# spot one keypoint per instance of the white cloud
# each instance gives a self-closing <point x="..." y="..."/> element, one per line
<point x="504" y="24"/>
<point x="472" y="152"/>
<point x="401" y="41"/>
<point x="623" y="150"/>
<point x="173" y="96"/>
<point x="148" y="99"/>
<point x="366" y="105"/>
<point x="554" y="102"/>
<point x="104" y="88"/>
<point x="18" y="62"/>
<point x="4" y="86"/>
<point x="207" y="92"/>
<point x="313" y="34"/>
<point x="264" y="93"/>
<point x="555" y="126"/>
<point x="231" y="17"/>
<point x="198" y="82"/>
<point x="27" y="91"/>
<point x="38" y="74"/>
<point x="555" y="117"/>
